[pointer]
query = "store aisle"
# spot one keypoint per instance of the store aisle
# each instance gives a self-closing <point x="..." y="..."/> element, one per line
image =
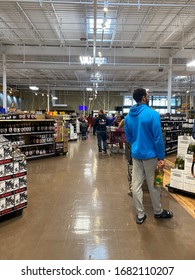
<point x="79" y="209"/>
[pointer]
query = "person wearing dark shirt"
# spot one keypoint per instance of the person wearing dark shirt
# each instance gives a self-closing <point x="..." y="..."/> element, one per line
<point x="100" y="125"/>
<point x="193" y="130"/>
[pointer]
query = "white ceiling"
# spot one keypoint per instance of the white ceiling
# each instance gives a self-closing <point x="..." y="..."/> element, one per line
<point x="41" y="40"/>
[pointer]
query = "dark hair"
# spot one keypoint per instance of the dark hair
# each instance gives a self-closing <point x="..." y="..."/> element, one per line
<point x="138" y="94"/>
<point x="101" y="112"/>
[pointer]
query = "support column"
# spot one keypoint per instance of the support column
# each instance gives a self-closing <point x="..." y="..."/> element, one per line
<point x="169" y="85"/>
<point x="84" y="103"/>
<point x="48" y="99"/>
<point x="4" y="83"/>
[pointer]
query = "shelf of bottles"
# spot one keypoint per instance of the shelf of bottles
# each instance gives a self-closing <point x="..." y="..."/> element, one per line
<point x="189" y="123"/>
<point x="34" y="137"/>
<point x="172" y="126"/>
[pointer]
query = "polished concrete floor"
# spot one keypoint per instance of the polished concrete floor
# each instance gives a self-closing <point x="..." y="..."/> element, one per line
<point x="79" y="209"/>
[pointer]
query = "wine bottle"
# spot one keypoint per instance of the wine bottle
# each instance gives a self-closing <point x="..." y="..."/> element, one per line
<point x="158" y="178"/>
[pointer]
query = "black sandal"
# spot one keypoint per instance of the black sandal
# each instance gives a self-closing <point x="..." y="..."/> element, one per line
<point x="140" y="220"/>
<point x="166" y="214"/>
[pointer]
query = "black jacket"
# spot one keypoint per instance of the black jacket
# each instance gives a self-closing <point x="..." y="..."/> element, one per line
<point x="193" y="130"/>
<point x="101" y="122"/>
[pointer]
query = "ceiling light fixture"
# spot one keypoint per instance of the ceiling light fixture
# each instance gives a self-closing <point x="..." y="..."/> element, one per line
<point x="55" y="98"/>
<point x="89" y="89"/>
<point x="191" y="63"/>
<point x="33" y="88"/>
<point x="105" y="6"/>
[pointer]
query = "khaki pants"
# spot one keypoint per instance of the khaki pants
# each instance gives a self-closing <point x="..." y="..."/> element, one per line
<point x="144" y="169"/>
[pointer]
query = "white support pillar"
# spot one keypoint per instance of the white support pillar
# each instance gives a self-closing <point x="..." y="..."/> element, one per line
<point x="48" y="100"/>
<point x="84" y="103"/>
<point x="4" y="83"/>
<point x="169" y="85"/>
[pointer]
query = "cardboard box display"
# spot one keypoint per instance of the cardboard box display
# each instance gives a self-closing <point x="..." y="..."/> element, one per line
<point x="2" y="187"/>
<point x="1" y="170"/>
<point x="177" y="178"/>
<point x="1" y="153"/>
<point x="22" y="182"/>
<point x="8" y="169"/>
<point x="188" y="163"/>
<point x="9" y="185"/>
<point x="177" y="184"/>
<point x="189" y="187"/>
<point x="16" y="167"/>
<point x="189" y="179"/>
<point x="23" y="165"/>
<point x="20" y="198"/>
<point x="2" y="204"/>
<point x="9" y="201"/>
<point x="7" y="151"/>
<point x="16" y="183"/>
<point x="182" y="150"/>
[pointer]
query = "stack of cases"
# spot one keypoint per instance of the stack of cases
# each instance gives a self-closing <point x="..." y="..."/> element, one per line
<point x="183" y="179"/>
<point x="13" y="179"/>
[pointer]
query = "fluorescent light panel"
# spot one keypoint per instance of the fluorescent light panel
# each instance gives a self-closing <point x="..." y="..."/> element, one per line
<point x="33" y="88"/>
<point x="89" y="89"/>
<point x="191" y="64"/>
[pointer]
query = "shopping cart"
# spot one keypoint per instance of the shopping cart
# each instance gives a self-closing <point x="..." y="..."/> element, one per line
<point x="115" y="138"/>
<point x="83" y="130"/>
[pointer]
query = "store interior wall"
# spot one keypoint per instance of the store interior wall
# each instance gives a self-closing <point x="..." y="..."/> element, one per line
<point x="104" y="101"/>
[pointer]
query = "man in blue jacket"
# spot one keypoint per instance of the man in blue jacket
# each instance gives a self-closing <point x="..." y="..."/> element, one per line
<point x="143" y="131"/>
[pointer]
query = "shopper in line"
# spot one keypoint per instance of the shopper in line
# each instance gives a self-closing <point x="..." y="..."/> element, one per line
<point x="100" y="125"/>
<point x="90" y="122"/>
<point x="193" y="130"/>
<point x="121" y="129"/>
<point x="143" y="131"/>
<point x="94" y="128"/>
<point x="111" y="119"/>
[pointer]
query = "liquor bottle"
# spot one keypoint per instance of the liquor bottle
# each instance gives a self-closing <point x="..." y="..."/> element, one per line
<point x="158" y="178"/>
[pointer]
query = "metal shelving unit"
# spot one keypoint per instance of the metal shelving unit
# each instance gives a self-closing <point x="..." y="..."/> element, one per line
<point x="38" y="129"/>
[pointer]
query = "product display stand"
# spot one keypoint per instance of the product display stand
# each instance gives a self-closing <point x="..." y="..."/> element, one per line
<point x="61" y="138"/>
<point x="60" y="133"/>
<point x="182" y="178"/>
<point x="13" y="179"/>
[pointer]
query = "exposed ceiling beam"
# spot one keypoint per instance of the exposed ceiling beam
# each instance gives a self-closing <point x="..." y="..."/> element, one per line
<point x="111" y="4"/>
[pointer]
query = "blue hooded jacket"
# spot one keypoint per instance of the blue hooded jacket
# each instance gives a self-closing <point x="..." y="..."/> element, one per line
<point x="143" y="131"/>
